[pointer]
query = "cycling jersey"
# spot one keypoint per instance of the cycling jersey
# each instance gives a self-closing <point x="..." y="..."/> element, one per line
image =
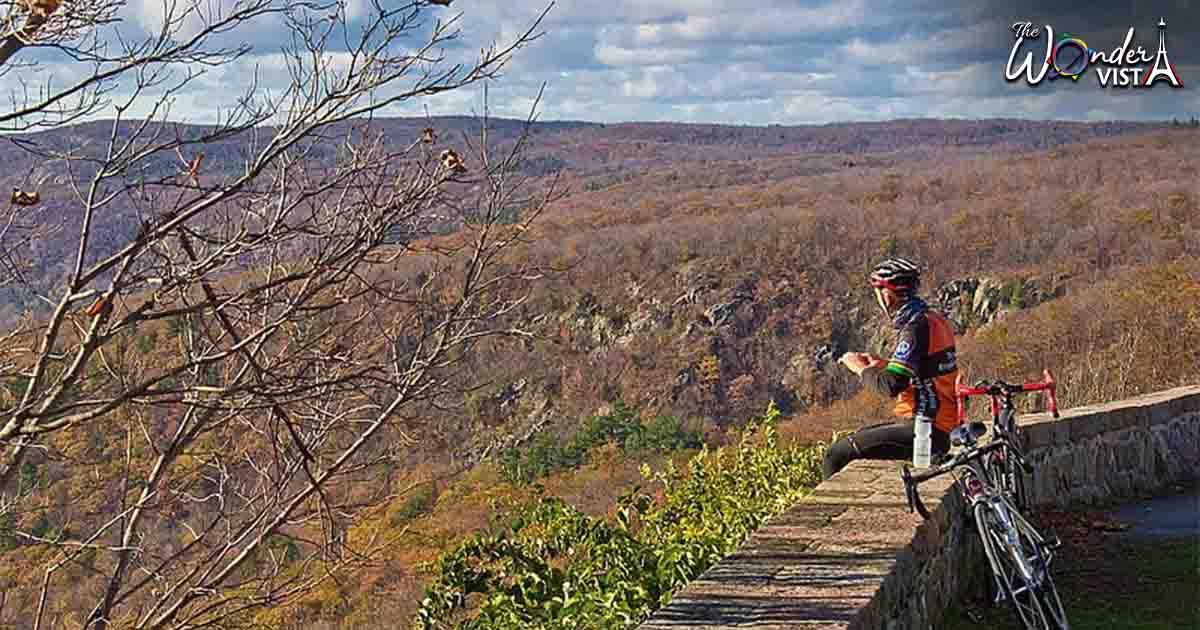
<point x="922" y="368"/>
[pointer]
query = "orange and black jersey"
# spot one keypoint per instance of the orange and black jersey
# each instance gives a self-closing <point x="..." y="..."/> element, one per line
<point x="923" y="367"/>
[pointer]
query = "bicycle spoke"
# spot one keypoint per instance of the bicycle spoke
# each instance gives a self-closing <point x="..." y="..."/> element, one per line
<point x="1010" y="566"/>
<point x="1046" y="593"/>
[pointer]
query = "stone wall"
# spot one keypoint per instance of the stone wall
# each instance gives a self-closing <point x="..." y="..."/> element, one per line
<point x="1117" y="449"/>
<point x="850" y="556"/>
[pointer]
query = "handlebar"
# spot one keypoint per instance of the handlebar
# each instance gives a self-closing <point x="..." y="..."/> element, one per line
<point x="911" y="479"/>
<point x="954" y="462"/>
<point x="998" y="390"/>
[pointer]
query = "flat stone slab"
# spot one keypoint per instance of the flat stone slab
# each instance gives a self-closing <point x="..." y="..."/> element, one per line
<point x="815" y="566"/>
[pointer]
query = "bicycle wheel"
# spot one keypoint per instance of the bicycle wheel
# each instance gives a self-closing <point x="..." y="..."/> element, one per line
<point x="1046" y="592"/>
<point x="1008" y="477"/>
<point x="1008" y="553"/>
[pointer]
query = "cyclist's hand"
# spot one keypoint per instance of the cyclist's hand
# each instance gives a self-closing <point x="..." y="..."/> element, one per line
<point x="855" y="361"/>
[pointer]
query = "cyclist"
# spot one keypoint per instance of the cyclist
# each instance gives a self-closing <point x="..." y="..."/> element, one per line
<point x="920" y="372"/>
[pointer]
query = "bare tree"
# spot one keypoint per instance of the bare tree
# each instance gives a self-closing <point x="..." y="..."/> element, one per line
<point x="216" y="393"/>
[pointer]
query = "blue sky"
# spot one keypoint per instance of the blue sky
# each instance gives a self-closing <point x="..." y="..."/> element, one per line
<point x="770" y="61"/>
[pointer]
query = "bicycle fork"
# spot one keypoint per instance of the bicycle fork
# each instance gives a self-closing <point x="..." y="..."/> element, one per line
<point x="1012" y="544"/>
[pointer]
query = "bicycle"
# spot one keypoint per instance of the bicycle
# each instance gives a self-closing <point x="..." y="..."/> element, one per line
<point x="1017" y="553"/>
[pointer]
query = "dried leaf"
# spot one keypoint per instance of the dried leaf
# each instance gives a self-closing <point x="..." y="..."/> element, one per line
<point x="22" y="198"/>
<point x="451" y="160"/>
<point x="96" y="308"/>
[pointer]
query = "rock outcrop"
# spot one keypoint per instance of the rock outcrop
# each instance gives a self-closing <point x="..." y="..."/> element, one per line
<point x="978" y="301"/>
<point x="768" y="334"/>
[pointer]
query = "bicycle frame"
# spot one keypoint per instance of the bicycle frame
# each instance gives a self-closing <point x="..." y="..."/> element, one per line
<point x="1010" y="480"/>
<point x="970" y="459"/>
<point x="975" y="470"/>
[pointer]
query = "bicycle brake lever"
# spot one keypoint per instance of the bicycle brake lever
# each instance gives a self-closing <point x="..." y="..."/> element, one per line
<point x="910" y="491"/>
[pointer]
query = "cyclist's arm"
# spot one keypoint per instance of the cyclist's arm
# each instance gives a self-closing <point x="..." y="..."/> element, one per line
<point x="885" y="382"/>
<point x="895" y="376"/>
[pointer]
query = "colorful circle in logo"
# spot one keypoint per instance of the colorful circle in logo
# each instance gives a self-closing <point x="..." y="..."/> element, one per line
<point x="1070" y="57"/>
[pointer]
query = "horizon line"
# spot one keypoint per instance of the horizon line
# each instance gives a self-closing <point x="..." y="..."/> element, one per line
<point x="580" y="121"/>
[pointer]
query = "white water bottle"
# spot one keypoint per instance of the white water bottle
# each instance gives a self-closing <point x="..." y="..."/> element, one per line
<point x="922" y="441"/>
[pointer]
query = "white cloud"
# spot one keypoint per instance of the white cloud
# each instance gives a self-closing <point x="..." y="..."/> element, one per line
<point x="657" y="83"/>
<point x="616" y="56"/>
<point x="785" y="61"/>
<point x="357" y="9"/>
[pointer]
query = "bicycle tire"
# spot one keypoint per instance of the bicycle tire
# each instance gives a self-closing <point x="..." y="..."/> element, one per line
<point x="1009" y="478"/>
<point x="1052" y="606"/>
<point x="1046" y="592"/>
<point x="1007" y="473"/>
<point x="1004" y="555"/>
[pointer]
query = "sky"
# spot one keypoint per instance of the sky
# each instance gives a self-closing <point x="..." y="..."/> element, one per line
<point x="759" y="62"/>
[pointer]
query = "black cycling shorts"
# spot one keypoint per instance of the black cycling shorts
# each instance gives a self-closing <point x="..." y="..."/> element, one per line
<point x="888" y="440"/>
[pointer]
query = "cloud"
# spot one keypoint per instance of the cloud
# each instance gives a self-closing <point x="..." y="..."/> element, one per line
<point x="772" y="61"/>
<point x="614" y="56"/>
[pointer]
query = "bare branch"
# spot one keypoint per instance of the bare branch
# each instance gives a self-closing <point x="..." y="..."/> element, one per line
<point x="266" y="310"/>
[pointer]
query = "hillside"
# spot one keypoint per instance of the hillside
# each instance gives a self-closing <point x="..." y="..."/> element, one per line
<point x="709" y="271"/>
<point x="675" y="298"/>
<point x="606" y="167"/>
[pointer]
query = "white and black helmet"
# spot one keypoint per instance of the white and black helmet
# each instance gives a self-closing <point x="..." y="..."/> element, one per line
<point x="897" y="274"/>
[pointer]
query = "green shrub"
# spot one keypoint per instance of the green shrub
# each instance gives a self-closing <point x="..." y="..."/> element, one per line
<point x="1016" y="293"/>
<point x="419" y="504"/>
<point x="40" y="528"/>
<point x="661" y="435"/>
<point x="621" y="426"/>
<point x="17" y="385"/>
<point x="8" y="537"/>
<point x="286" y="546"/>
<point x="556" y="567"/>
<point x="147" y="342"/>
<point x="29" y="478"/>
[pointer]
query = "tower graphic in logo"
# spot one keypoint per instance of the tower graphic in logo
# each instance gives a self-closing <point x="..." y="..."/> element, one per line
<point x="1162" y="66"/>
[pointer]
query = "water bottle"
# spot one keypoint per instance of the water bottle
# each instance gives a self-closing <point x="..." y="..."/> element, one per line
<point x="922" y="441"/>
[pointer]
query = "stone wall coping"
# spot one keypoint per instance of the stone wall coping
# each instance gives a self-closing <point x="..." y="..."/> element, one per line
<point x="1189" y="395"/>
<point x="817" y="565"/>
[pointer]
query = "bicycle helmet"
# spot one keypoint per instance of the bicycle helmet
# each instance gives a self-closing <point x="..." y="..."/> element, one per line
<point x="898" y="274"/>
